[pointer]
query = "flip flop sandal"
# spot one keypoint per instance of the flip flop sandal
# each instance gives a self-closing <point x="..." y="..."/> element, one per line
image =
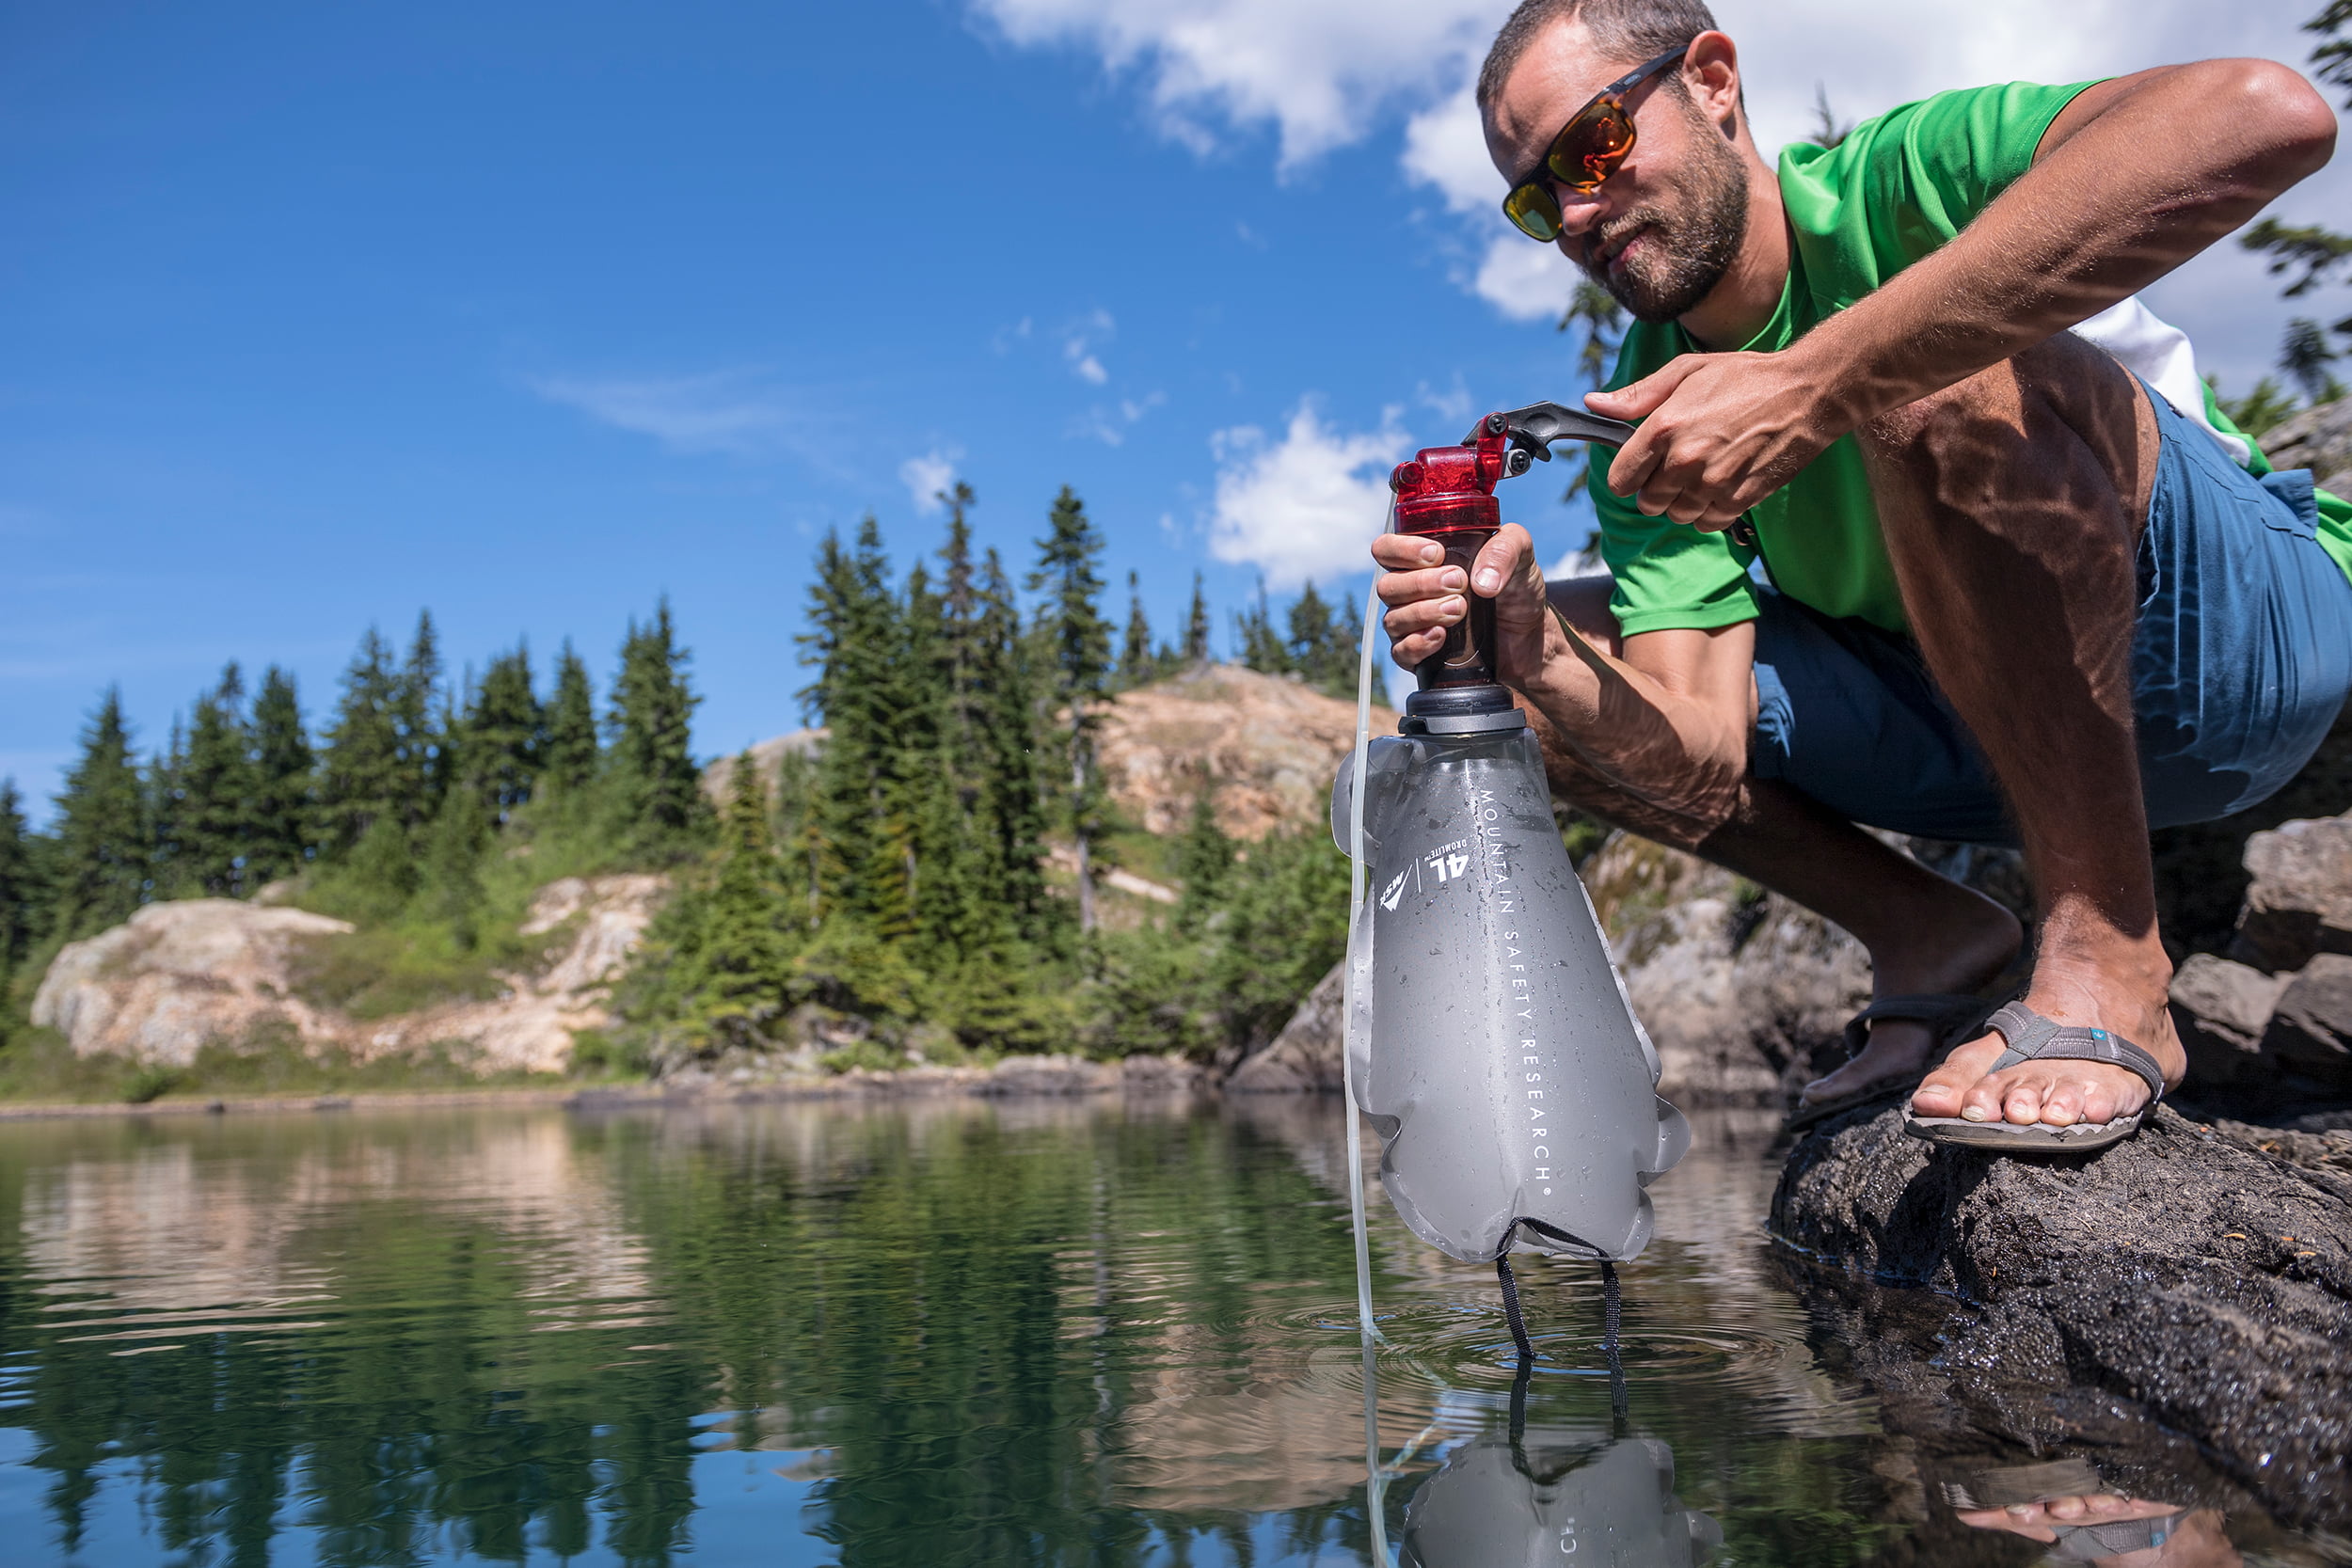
<point x="2035" y="1038"/>
<point x="1954" y="1017"/>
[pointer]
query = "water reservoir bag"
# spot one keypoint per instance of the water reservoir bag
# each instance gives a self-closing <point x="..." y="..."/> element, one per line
<point x="1490" y="1041"/>
<point x="1552" y="1497"/>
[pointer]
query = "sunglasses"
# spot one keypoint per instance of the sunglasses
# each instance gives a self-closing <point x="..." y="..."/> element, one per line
<point x="1586" y="152"/>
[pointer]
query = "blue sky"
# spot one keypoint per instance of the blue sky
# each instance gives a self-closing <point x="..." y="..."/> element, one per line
<point x="313" y="316"/>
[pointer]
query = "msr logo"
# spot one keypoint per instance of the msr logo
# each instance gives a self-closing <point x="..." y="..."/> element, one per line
<point x="1394" y="893"/>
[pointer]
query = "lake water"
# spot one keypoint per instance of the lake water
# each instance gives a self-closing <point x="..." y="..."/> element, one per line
<point x="942" y="1332"/>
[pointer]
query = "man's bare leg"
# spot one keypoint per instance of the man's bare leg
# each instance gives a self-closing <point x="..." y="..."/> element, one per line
<point x="2011" y="505"/>
<point x="1923" y="931"/>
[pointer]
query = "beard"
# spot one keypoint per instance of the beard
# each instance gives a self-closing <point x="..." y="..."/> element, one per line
<point x="1688" y="246"/>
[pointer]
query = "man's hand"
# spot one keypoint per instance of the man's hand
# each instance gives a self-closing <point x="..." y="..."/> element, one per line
<point x="1720" y="432"/>
<point x="1425" y="597"/>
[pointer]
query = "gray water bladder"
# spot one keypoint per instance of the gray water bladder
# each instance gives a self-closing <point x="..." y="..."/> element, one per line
<point x="1492" y="1046"/>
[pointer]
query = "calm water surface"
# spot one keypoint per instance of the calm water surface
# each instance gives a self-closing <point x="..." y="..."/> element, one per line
<point x="936" y="1333"/>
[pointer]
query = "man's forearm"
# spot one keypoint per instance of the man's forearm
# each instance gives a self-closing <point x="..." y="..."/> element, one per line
<point x="1679" y="756"/>
<point x="2173" y="164"/>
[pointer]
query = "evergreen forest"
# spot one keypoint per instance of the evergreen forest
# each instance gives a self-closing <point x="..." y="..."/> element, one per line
<point x="922" y="879"/>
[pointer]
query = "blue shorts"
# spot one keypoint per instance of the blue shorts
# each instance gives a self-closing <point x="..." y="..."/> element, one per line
<point x="2241" y="663"/>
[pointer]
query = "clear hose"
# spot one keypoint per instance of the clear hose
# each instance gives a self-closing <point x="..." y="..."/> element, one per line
<point x="1357" y="974"/>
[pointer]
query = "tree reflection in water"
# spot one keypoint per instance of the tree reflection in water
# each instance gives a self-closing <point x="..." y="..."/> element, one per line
<point x="938" y="1333"/>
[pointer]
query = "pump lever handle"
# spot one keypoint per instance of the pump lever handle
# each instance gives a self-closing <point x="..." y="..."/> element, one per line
<point x="1533" y="428"/>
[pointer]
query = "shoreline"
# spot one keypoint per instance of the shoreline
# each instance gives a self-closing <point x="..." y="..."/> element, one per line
<point x="1016" y="1077"/>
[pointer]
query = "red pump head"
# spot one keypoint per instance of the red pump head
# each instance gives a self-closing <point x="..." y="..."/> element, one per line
<point x="1448" y="494"/>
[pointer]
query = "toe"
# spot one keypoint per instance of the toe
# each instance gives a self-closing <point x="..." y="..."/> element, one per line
<point x="2021" y="1098"/>
<point x="1945" y="1091"/>
<point x="2063" y="1106"/>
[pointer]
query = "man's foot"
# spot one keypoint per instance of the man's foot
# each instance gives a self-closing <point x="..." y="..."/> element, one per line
<point x="2123" y="993"/>
<point x="2192" y="1539"/>
<point x="1964" y="953"/>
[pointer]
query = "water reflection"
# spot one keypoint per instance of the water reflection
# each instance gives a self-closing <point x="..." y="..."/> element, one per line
<point x="942" y="1332"/>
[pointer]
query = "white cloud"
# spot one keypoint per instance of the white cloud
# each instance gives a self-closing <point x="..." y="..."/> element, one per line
<point x="927" y="476"/>
<point x="727" y="412"/>
<point x="1077" y="347"/>
<point x="1326" y="74"/>
<point x="1319" y="72"/>
<point x="1307" y="505"/>
<point x="1110" y="424"/>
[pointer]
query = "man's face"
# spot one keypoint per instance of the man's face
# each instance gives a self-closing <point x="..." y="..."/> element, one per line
<point x="1661" y="233"/>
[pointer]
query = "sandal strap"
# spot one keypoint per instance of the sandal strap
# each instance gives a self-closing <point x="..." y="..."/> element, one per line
<point x="1940" y="1009"/>
<point x="2033" y="1037"/>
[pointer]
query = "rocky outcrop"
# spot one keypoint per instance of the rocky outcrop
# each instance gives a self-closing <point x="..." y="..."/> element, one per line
<point x="179" y="976"/>
<point x="174" y="976"/>
<point x="767" y="757"/>
<point x="2319" y="439"/>
<point x="2271" y="1026"/>
<point x="1305" y="1057"/>
<point x="2180" y="1277"/>
<point x="1267" y="745"/>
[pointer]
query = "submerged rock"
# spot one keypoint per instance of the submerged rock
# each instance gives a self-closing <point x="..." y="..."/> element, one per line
<point x="2178" y="1279"/>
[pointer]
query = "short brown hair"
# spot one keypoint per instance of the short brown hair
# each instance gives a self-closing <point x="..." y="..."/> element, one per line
<point x="1628" y="30"/>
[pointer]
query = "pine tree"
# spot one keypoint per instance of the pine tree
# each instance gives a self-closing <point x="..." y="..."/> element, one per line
<point x="653" y="712"/>
<point x="162" y="801"/>
<point x="740" y="959"/>
<point x="1262" y="646"/>
<point x="453" y="870"/>
<point x="568" y="759"/>
<point x="360" y="777"/>
<point x="1015" y="803"/>
<point x="215" y="816"/>
<point x="1137" y="665"/>
<point x="1321" y="648"/>
<point x="1197" y="625"/>
<point x="1204" y="859"/>
<point x="102" y="846"/>
<point x="504" y="734"/>
<point x="856" y="645"/>
<point x="420" y="769"/>
<point x="1079" y="651"/>
<point x="282" y="800"/>
<point x="23" y="893"/>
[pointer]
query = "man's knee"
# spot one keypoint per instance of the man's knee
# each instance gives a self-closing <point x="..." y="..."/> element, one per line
<point x="2063" y="392"/>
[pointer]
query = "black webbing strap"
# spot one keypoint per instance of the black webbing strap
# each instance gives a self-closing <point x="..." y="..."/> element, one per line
<point x="1511" y="1307"/>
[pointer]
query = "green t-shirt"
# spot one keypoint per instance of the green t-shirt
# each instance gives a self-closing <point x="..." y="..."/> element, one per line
<point x="1896" y="189"/>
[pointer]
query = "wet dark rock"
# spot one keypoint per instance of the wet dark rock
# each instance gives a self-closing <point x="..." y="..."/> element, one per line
<point x="2179" y="1277"/>
<point x="2221" y="1011"/>
<point x="1305" y="1057"/>
<point x="2312" y="1033"/>
<point x="2299" y="900"/>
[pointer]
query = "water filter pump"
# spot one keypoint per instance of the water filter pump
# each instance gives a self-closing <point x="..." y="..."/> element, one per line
<point x="1490" y="1041"/>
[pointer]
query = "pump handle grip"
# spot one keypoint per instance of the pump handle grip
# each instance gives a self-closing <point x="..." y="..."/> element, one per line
<point x="1533" y="428"/>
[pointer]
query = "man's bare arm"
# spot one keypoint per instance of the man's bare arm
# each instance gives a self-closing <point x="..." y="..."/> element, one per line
<point x="2132" y="178"/>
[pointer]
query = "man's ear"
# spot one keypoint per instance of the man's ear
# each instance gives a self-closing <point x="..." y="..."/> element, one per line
<point x="1711" y="73"/>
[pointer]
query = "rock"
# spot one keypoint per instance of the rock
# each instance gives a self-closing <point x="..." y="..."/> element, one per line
<point x="2311" y="1034"/>
<point x="2201" y="876"/>
<point x="1268" y="747"/>
<point x="2319" y="439"/>
<point x="2206" y="1284"/>
<point x="176" y="976"/>
<point x="1049" y="1075"/>
<point x="1737" y="988"/>
<point x="2299" y="899"/>
<point x="1169" y="1074"/>
<point x="1305" y="1057"/>
<point x="181" y="974"/>
<point x="2221" y="1010"/>
<point x="768" y="757"/>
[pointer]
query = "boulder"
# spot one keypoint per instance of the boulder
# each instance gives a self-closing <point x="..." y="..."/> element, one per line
<point x="177" y="975"/>
<point x="2177" y="1277"/>
<point x="1305" y="1057"/>
<point x="2311" y="1036"/>
<point x="2319" y="439"/>
<point x="1028" y="1075"/>
<point x="2299" y="899"/>
<point x="2221" y="1011"/>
